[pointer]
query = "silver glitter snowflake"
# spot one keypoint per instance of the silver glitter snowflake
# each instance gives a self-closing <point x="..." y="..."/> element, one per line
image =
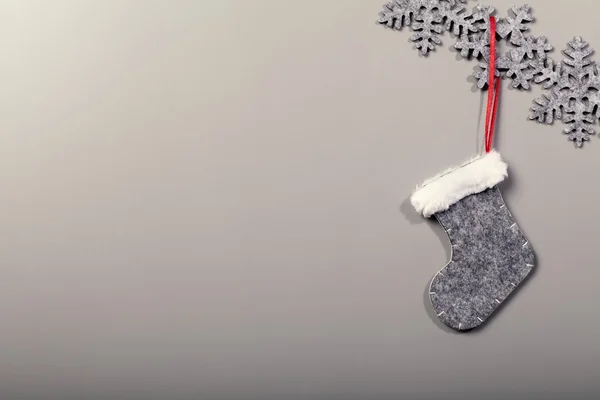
<point x="428" y="18"/>
<point x="522" y="57"/>
<point x="431" y="18"/>
<point x="573" y="94"/>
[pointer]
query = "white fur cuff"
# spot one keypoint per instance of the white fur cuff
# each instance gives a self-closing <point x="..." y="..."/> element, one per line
<point x="474" y="176"/>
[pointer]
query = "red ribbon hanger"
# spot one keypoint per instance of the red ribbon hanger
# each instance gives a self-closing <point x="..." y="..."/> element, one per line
<point x="493" y="90"/>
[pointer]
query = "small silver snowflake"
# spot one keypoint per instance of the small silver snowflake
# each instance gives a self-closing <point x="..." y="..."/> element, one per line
<point x="573" y="94"/>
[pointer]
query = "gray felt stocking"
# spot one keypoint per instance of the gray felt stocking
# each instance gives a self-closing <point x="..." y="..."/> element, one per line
<point x="490" y="254"/>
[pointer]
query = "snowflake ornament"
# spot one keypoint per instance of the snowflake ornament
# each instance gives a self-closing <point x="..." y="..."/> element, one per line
<point x="521" y="59"/>
<point x="428" y="18"/>
<point x="431" y="18"/>
<point x="573" y="94"/>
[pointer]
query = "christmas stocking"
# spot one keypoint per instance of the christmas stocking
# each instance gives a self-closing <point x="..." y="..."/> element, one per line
<point x="490" y="254"/>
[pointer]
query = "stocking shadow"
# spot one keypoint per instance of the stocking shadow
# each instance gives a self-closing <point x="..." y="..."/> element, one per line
<point x="409" y="213"/>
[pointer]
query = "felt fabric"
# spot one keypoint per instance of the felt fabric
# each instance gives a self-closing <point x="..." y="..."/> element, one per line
<point x="490" y="258"/>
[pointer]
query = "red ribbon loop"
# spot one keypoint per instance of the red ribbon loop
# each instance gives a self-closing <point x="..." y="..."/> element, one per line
<point x="493" y="90"/>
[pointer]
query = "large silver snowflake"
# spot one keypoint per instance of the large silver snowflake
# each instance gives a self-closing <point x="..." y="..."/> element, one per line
<point x="523" y="54"/>
<point x="431" y="18"/>
<point x="573" y="94"/>
<point x="428" y="18"/>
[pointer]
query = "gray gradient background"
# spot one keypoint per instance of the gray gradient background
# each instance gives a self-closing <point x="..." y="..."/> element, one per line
<point x="207" y="199"/>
